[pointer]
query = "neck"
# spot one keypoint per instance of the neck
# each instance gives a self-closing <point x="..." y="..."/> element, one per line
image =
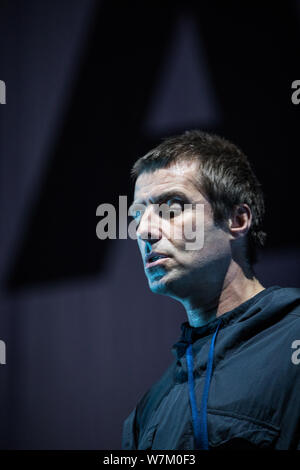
<point x="213" y="302"/>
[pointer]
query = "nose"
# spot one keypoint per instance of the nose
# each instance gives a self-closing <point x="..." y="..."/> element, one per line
<point x="149" y="229"/>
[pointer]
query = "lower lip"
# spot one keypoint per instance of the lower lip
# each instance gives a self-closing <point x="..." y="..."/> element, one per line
<point x="154" y="263"/>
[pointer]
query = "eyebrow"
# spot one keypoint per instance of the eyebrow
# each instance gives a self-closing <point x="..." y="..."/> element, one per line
<point x="164" y="197"/>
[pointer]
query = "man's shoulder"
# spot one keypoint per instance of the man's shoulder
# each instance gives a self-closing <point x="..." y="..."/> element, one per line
<point x="289" y="298"/>
<point x="284" y="307"/>
<point x="281" y="298"/>
<point x="153" y="396"/>
<point x="290" y="292"/>
<point x="145" y="407"/>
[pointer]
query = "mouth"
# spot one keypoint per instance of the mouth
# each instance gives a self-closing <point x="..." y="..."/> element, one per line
<point x="154" y="259"/>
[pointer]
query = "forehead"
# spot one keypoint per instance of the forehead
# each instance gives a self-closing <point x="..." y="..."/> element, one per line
<point x="179" y="176"/>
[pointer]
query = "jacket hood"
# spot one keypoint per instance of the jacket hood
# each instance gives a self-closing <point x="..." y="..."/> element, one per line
<point x="249" y="318"/>
<point x="270" y="302"/>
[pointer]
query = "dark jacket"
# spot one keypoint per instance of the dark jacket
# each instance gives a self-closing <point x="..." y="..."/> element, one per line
<point x="247" y="395"/>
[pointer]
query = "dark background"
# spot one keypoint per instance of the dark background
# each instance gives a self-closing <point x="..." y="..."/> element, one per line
<point x="91" y="86"/>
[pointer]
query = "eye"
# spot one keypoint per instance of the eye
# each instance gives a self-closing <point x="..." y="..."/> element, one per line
<point x="175" y="207"/>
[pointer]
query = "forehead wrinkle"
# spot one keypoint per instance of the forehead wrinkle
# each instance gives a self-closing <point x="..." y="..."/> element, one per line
<point x="168" y="193"/>
<point x="181" y="170"/>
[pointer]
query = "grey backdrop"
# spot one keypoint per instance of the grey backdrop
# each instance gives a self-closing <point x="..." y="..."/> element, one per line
<point x="90" y="86"/>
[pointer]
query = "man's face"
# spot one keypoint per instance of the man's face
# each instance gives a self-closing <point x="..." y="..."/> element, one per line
<point x="181" y="271"/>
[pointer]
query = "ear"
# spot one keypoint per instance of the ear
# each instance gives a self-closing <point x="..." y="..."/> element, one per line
<point x="240" y="221"/>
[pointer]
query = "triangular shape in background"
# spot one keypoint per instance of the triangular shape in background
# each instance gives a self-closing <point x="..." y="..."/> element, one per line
<point x="184" y="95"/>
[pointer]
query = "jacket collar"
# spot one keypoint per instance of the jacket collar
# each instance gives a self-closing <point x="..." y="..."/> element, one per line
<point x="190" y="334"/>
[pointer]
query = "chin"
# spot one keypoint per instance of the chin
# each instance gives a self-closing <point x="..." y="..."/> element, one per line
<point x="157" y="287"/>
<point x="174" y="287"/>
<point x="162" y="286"/>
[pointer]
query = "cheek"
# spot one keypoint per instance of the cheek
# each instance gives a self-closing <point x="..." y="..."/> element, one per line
<point x="177" y="231"/>
<point x="190" y="226"/>
<point x="216" y="242"/>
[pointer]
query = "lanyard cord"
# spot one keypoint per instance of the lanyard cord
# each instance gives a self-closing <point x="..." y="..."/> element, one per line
<point x="200" y="420"/>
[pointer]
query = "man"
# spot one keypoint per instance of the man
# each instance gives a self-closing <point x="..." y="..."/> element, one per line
<point x="234" y="382"/>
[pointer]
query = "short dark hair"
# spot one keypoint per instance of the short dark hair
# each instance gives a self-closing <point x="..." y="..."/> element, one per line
<point x="226" y="178"/>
